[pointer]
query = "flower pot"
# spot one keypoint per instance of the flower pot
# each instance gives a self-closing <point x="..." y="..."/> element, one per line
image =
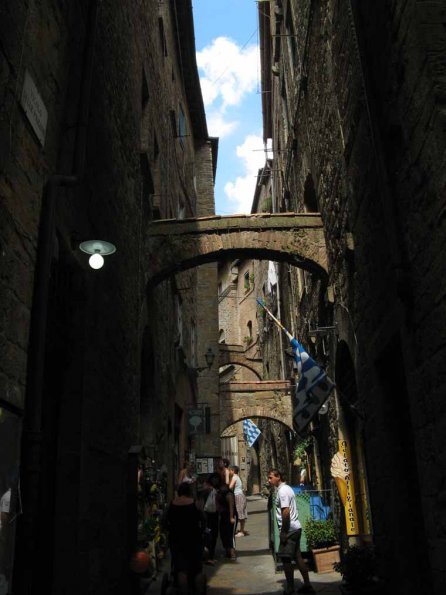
<point x="325" y="557"/>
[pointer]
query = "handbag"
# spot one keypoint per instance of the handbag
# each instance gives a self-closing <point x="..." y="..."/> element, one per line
<point x="211" y="504"/>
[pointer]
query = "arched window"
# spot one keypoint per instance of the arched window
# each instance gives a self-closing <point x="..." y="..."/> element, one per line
<point x="310" y="198"/>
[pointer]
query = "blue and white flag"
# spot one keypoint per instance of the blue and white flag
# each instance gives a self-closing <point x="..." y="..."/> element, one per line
<point x="313" y="389"/>
<point x="314" y="385"/>
<point x="250" y="431"/>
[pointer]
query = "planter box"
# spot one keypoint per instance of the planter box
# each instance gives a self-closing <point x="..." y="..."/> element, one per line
<point x="324" y="558"/>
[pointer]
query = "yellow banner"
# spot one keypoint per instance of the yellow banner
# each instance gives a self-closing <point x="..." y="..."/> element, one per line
<point x="342" y="474"/>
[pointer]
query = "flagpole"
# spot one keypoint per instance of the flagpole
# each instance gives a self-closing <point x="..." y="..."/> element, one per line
<point x="271" y="315"/>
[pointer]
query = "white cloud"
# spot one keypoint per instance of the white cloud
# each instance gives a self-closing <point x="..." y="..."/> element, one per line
<point x="241" y="192"/>
<point x="229" y="72"/>
<point x="218" y="126"/>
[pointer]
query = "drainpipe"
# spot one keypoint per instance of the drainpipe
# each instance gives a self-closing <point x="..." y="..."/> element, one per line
<point x="32" y="435"/>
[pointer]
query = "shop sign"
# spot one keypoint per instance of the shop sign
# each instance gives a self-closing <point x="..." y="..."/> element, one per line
<point x="341" y="471"/>
<point x="196" y="421"/>
<point x="34" y="108"/>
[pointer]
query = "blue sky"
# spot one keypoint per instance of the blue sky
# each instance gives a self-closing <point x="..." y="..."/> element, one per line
<point x="226" y="38"/>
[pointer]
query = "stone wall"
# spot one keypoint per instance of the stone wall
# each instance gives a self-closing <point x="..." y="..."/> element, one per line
<point x="117" y="359"/>
<point x="357" y="111"/>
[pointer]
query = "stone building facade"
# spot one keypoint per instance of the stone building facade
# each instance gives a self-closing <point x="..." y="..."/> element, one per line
<point x="352" y="98"/>
<point x="243" y="323"/>
<point x="237" y="328"/>
<point x="102" y="130"/>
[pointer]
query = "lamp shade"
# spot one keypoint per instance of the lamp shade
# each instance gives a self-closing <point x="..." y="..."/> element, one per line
<point x="97" y="247"/>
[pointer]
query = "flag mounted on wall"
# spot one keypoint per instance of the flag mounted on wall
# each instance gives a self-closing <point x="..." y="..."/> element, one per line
<point x="313" y="389"/>
<point x="314" y="386"/>
<point x="250" y="432"/>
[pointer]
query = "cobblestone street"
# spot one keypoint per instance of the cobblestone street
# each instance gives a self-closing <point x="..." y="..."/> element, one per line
<point x="254" y="573"/>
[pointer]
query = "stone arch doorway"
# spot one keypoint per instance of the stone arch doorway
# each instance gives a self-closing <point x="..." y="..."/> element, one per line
<point x="351" y="431"/>
<point x="271" y="449"/>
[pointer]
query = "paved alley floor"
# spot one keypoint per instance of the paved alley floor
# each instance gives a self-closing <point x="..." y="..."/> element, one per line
<point x="254" y="571"/>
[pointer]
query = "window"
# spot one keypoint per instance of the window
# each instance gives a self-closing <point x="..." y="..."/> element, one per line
<point x="173" y="122"/>
<point x="247" y="339"/>
<point x="285" y="113"/>
<point x="310" y="198"/>
<point x="144" y="90"/>
<point x="156" y="149"/>
<point x="179" y="317"/>
<point x="193" y="344"/>
<point x="162" y="36"/>
<point x="182" y="128"/>
<point x="148" y="189"/>
<point x="291" y="37"/>
<point x="181" y="208"/>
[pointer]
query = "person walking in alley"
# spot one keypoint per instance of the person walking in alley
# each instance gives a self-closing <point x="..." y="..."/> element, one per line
<point x="223" y="470"/>
<point x="227" y="519"/>
<point x="235" y="484"/>
<point x="290" y="533"/>
<point x="212" y="484"/>
<point x="187" y="473"/>
<point x="185" y="525"/>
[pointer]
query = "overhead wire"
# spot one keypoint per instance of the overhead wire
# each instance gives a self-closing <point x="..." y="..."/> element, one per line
<point x="241" y="48"/>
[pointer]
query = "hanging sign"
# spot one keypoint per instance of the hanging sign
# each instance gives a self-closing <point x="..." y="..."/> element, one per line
<point x="196" y="420"/>
<point x="34" y="108"/>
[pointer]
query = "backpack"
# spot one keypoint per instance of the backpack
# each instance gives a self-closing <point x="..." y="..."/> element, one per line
<point x="211" y="504"/>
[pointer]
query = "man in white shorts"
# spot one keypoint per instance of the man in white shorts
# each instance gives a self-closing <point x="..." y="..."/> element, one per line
<point x="290" y="532"/>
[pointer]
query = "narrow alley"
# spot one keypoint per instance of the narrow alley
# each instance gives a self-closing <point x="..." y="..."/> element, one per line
<point x="222" y="263"/>
<point x="254" y="571"/>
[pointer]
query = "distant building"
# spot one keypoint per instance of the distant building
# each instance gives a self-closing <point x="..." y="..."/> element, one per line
<point x="243" y="327"/>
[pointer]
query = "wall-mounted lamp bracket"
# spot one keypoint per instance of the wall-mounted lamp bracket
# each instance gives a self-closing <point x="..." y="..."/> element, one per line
<point x="209" y="356"/>
<point x="322" y="331"/>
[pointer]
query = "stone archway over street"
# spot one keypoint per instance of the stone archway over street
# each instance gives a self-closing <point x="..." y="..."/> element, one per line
<point x="175" y="245"/>
<point x="238" y="355"/>
<point x="265" y="398"/>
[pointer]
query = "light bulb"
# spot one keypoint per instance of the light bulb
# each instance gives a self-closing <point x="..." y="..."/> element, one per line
<point x="96" y="261"/>
<point x="324" y="409"/>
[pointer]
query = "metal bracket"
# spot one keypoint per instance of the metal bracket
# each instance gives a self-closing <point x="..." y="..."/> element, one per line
<point x="322" y="331"/>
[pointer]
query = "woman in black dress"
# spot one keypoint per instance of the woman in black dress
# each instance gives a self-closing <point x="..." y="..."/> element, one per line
<point x="228" y="520"/>
<point x="185" y="524"/>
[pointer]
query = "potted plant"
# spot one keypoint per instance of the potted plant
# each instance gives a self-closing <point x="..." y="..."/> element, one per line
<point x="358" y="570"/>
<point x="322" y="540"/>
<point x="300" y="450"/>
